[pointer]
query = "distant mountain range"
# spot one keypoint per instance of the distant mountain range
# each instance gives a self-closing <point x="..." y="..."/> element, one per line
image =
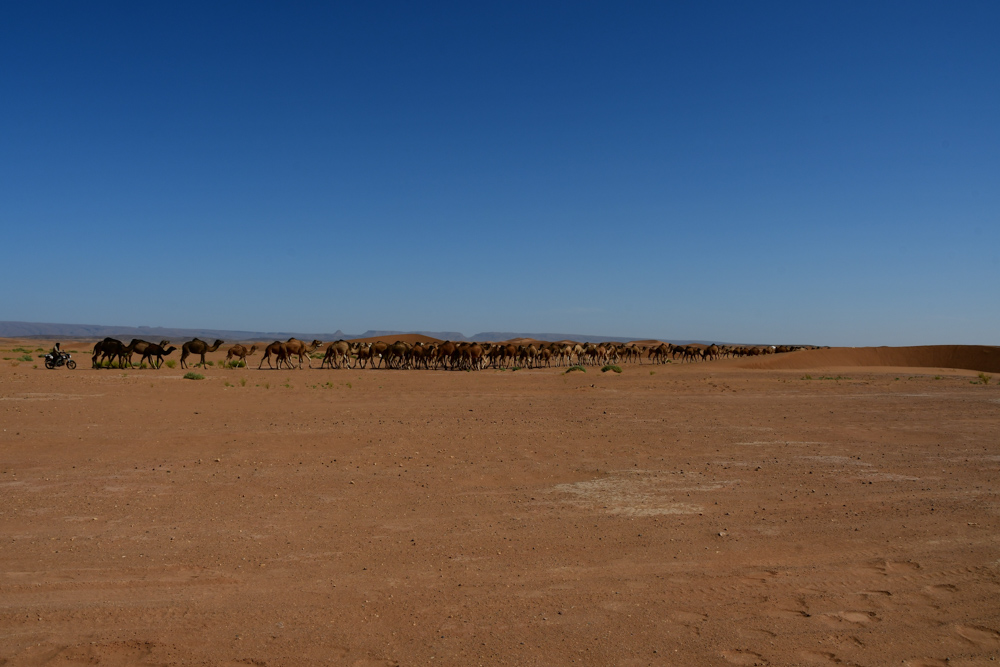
<point x="50" y="330"/>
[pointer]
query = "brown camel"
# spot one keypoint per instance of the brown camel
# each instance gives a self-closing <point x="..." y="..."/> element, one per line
<point x="363" y="351"/>
<point x="240" y="351"/>
<point x="197" y="346"/>
<point x="139" y="346"/>
<point x="337" y="353"/>
<point x="296" y="347"/>
<point x="154" y="350"/>
<point x="279" y="350"/>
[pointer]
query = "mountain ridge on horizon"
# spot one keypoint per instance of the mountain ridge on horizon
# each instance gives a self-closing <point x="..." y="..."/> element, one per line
<point x="14" y="329"/>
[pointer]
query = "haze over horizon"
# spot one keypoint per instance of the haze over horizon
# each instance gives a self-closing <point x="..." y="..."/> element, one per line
<point x="765" y="172"/>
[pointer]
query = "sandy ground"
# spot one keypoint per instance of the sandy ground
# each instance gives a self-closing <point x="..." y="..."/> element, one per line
<point x="669" y="515"/>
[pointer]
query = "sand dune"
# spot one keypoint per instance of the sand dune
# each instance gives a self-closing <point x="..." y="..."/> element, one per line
<point x="969" y="357"/>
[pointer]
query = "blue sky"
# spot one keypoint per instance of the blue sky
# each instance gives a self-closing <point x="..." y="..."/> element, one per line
<point x="766" y="172"/>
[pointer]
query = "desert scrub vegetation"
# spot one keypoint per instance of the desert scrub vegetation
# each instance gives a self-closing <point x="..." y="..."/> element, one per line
<point x="577" y="367"/>
<point x="983" y="379"/>
<point x="170" y="363"/>
<point x="194" y="376"/>
<point x="24" y="357"/>
<point x="611" y="367"/>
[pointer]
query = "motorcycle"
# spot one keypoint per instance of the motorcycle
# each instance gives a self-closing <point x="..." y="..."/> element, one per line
<point x="51" y="361"/>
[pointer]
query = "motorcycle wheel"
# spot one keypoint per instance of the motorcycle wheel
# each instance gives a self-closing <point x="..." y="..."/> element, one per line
<point x="50" y="364"/>
<point x="71" y="364"/>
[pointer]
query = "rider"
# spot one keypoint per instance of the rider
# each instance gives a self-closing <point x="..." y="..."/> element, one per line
<point x="56" y="351"/>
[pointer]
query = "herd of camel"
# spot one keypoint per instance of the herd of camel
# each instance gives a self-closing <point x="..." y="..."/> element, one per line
<point x="293" y="353"/>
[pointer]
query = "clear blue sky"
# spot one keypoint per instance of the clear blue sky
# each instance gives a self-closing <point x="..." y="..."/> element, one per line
<point x="766" y="172"/>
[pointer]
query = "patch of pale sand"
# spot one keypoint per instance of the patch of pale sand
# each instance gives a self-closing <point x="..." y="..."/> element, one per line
<point x="638" y="492"/>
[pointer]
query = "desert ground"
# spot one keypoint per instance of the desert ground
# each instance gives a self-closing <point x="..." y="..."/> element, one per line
<point x="826" y="509"/>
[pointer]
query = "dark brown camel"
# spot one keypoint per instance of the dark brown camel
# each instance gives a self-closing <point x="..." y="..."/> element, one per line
<point x="197" y="346"/>
<point x="154" y="350"/>
<point x="111" y="349"/>
<point x="240" y="351"/>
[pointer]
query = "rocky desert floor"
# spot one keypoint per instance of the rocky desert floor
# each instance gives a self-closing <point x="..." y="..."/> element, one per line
<point x="700" y="514"/>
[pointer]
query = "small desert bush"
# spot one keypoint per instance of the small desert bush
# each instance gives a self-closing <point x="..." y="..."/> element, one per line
<point x="611" y="367"/>
<point x="194" y="376"/>
<point x="171" y="363"/>
<point x="226" y="384"/>
<point x="243" y="382"/>
<point x="984" y="378"/>
<point x="24" y="357"/>
<point x="209" y="363"/>
<point x="577" y="367"/>
<point x="807" y="377"/>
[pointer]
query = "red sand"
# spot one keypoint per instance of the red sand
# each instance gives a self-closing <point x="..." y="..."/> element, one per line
<point x="681" y="514"/>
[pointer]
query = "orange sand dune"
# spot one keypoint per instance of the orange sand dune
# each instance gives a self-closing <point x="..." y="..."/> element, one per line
<point x="406" y="338"/>
<point x="969" y="357"/>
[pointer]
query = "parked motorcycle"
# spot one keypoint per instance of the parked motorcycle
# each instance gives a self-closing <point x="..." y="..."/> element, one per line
<point x="51" y="361"/>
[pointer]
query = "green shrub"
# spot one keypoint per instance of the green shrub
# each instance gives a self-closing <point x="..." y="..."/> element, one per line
<point x="194" y="376"/>
<point x="171" y="363"/>
<point x="577" y="367"/>
<point x="24" y="357"/>
<point x="243" y="382"/>
<point x="611" y="367"/>
<point x="984" y="378"/>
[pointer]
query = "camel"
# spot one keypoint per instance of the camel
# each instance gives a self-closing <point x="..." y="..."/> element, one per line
<point x="279" y="350"/>
<point x="103" y="349"/>
<point x="240" y="351"/>
<point x="154" y="350"/>
<point x="337" y="353"/>
<point x="297" y="347"/>
<point x="197" y="346"/>
<point x="112" y="349"/>
<point x="139" y="346"/>
<point x="363" y="351"/>
<point x="378" y="350"/>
